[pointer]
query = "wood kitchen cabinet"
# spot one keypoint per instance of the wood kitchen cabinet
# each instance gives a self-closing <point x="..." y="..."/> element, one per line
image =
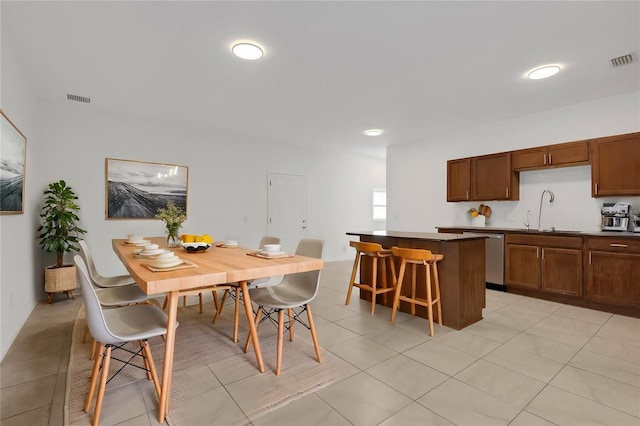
<point x="493" y="179"/>
<point x="613" y="271"/>
<point x="459" y="180"/>
<point x="615" y="166"/>
<point x="483" y="178"/>
<point x="558" y="155"/>
<point x="546" y="263"/>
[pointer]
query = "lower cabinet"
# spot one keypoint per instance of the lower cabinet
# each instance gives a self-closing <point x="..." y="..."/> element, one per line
<point x="545" y="263"/>
<point x="613" y="271"/>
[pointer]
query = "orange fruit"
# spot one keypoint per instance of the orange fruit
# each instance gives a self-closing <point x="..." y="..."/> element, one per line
<point x="206" y="238"/>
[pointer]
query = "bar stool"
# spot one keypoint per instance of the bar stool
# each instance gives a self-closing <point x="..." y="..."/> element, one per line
<point x="416" y="257"/>
<point x="377" y="254"/>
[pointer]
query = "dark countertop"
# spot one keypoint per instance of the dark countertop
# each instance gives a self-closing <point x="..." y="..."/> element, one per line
<point x="496" y="230"/>
<point x="418" y="235"/>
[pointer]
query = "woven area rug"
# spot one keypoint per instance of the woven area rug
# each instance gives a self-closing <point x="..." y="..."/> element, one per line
<point x="205" y="356"/>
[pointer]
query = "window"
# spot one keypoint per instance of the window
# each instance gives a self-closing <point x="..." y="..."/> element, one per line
<point x="379" y="204"/>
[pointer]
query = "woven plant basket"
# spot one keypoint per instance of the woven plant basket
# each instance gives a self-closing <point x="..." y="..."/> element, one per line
<point x="59" y="279"/>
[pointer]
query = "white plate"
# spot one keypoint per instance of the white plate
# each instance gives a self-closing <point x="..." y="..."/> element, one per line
<point x="163" y="265"/>
<point x="271" y="253"/>
<point x="152" y="252"/>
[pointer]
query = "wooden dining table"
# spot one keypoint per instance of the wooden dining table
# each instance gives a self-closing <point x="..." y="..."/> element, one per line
<point x="215" y="266"/>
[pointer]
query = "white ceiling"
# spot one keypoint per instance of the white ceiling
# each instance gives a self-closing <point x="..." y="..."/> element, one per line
<point x="331" y="69"/>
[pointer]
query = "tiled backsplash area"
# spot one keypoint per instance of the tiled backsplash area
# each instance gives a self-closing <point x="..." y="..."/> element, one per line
<point x="573" y="207"/>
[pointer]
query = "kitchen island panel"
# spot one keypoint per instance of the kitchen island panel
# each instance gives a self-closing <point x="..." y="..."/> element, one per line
<point x="461" y="273"/>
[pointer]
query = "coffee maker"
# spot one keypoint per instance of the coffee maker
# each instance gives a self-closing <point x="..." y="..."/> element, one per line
<point x="615" y="216"/>
<point x="635" y="221"/>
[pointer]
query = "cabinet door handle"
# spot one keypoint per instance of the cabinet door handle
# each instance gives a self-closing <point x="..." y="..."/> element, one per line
<point x="545" y="159"/>
<point x="507" y="191"/>
<point x="467" y="194"/>
<point x="596" y="188"/>
<point x="618" y="245"/>
<point x="550" y="159"/>
<point x="589" y="258"/>
<point x="542" y="254"/>
<point x="537" y="252"/>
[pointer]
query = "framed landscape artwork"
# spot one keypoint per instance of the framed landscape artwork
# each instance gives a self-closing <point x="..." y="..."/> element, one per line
<point x="137" y="189"/>
<point x="13" y="158"/>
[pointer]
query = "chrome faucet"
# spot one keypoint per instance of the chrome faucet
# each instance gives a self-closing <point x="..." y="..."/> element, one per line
<point x="527" y="223"/>
<point x="550" y="201"/>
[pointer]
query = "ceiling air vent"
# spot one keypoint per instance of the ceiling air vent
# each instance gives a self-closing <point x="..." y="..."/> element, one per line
<point x="78" y="98"/>
<point x="622" y="60"/>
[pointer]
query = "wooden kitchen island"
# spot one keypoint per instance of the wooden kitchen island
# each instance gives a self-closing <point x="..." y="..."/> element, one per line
<point x="461" y="272"/>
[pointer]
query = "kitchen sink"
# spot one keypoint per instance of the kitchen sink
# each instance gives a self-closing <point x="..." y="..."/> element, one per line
<point x="557" y="231"/>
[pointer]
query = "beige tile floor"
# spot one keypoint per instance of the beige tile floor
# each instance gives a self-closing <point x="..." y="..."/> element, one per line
<point x="529" y="362"/>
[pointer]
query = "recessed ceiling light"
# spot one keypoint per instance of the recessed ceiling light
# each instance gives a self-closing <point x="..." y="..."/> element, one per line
<point x="373" y="132"/>
<point x="543" y="72"/>
<point x="247" y="51"/>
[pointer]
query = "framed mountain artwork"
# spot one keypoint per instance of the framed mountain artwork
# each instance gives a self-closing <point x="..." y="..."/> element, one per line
<point x="137" y="189"/>
<point x="13" y="158"/>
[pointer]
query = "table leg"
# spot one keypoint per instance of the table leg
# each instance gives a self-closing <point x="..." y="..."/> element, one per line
<point x="167" y="368"/>
<point x="253" y="331"/>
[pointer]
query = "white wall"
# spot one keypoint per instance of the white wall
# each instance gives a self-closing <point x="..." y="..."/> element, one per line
<point x="417" y="173"/>
<point x="19" y="267"/>
<point x="227" y="178"/>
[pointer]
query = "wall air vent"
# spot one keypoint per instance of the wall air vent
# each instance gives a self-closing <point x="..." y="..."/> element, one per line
<point x="622" y="60"/>
<point x="78" y="98"/>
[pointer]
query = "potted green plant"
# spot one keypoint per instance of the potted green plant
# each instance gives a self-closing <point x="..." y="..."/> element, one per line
<point x="59" y="233"/>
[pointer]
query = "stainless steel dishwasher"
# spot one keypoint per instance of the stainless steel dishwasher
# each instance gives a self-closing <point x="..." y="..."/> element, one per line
<point x="494" y="257"/>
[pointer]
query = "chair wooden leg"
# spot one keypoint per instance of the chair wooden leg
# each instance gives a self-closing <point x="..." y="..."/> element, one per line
<point x="291" y="323"/>
<point x="396" y="297"/>
<point x="51" y="297"/>
<point x="429" y="299"/>
<point x="280" y="336"/>
<point x="383" y="278"/>
<point x="93" y="353"/>
<point x="145" y="360"/>
<point x="236" y="317"/>
<point x="353" y="277"/>
<point x="184" y="301"/>
<point x="258" y="315"/>
<point x="219" y="304"/>
<point x="151" y="365"/>
<point x="93" y="381"/>
<point x="101" y="388"/>
<point x="374" y="284"/>
<point x="436" y="282"/>
<point x="414" y="279"/>
<point x="164" y="305"/>
<point x="312" y="328"/>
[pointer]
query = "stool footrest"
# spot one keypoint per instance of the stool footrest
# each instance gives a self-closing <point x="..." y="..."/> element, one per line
<point x="418" y="301"/>
<point x="370" y="288"/>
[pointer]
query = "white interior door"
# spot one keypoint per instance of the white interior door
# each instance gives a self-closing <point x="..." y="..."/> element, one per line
<point x="288" y="209"/>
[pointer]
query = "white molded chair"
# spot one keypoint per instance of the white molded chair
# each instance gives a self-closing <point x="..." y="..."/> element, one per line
<point x="100" y="280"/>
<point x="112" y="329"/>
<point x="236" y="295"/>
<point x="113" y="291"/>
<point x="294" y="291"/>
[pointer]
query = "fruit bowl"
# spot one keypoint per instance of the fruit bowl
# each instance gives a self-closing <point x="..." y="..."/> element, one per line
<point x="195" y="247"/>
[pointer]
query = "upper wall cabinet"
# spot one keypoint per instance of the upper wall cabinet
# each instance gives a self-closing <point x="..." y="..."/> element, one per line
<point x="615" y="165"/>
<point x="493" y="179"/>
<point x="559" y="155"/>
<point x="484" y="178"/>
<point x="459" y="180"/>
